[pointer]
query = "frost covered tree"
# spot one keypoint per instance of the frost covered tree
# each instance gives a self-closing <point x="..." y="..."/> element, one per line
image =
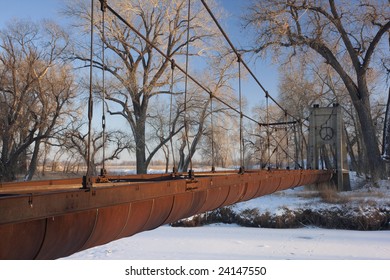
<point x="36" y="93"/>
<point x="137" y="71"/>
<point x="349" y="36"/>
<point x="75" y="142"/>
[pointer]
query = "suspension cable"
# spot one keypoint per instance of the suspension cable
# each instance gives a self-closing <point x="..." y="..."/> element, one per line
<point x="240" y="105"/>
<point x="268" y="129"/>
<point x="296" y="149"/>
<point x="103" y="6"/>
<point x="212" y="134"/>
<point x="186" y="125"/>
<point x="170" y="116"/>
<point x="188" y="76"/>
<point x="87" y="180"/>
<point x="278" y="144"/>
<point x="268" y="96"/>
<point x="237" y="53"/>
<point x="136" y="31"/>
<point x="286" y="130"/>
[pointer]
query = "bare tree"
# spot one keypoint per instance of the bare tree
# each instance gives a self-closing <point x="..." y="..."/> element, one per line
<point x="222" y="135"/>
<point x="268" y="143"/>
<point x="36" y="92"/>
<point x="305" y="82"/>
<point x="163" y="124"/>
<point x="217" y="79"/>
<point x="298" y="92"/>
<point x="74" y="141"/>
<point x="346" y="36"/>
<point x="140" y="73"/>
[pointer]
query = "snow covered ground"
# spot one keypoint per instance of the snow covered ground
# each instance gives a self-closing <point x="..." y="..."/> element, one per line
<point x="223" y="242"/>
<point x="230" y="242"/>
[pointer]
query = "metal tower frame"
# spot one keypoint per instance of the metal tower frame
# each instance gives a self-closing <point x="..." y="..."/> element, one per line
<point x="327" y="141"/>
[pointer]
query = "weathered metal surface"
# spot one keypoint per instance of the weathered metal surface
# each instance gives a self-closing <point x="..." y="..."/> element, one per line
<point x="139" y="214"/>
<point x="236" y="191"/>
<point x="52" y="219"/>
<point x="251" y="188"/>
<point x="268" y="184"/>
<point x="182" y="206"/>
<point x="161" y="209"/>
<point x="21" y="241"/>
<point x="198" y="201"/>
<point x="66" y="234"/>
<point x="214" y="198"/>
<point x="110" y="222"/>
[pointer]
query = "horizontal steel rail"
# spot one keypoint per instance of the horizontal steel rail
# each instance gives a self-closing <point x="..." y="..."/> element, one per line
<point x="56" y="218"/>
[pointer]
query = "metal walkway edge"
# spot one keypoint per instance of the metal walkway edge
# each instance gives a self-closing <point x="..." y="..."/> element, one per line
<point x="56" y="218"/>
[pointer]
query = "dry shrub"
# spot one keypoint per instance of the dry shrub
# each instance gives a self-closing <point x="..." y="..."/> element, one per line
<point x="371" y="218"/>
<point x="330" y="195"/>
<point x="309" y="194"/>
<point x="220" y="215"/>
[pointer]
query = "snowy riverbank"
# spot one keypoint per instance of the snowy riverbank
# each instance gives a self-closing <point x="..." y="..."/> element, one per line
<point x="222" y="241"/>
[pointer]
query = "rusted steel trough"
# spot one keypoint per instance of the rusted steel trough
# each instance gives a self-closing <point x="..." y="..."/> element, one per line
<point x="56" y="218"/>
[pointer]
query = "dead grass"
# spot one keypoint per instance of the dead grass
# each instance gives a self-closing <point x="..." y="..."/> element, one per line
<point x="357" y="218"/>
<point x="309" y="194"/>
<point x="331" y="196"/>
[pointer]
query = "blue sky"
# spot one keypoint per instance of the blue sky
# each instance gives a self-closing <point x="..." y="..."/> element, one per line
<point x="50" y="9"/>
<point x="29" y="9"/>
<point x="265" y="72"/>
<point x="38" y="9"/>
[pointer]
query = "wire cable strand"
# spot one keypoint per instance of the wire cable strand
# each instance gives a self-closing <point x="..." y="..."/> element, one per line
<point x="87" y="182"/>
<point x="238" y="54"/>
<point x="135" y="30"/>
<point x="103" y="171"/>
<point x="212" y="135"/>
<point x="241" y="128"/>
<point x="188" y="76"/>
<point x="170" y="116"/>
<point x="186" y="125"/>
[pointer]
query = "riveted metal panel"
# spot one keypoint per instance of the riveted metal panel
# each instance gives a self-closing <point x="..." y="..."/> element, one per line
<point x="109" y="224"/>
<point x="308" y="178"/>
<point x="182" y="204"/>
<point x="251" y="188"/>
<point x="287" y="180"/>
<point x="212" y="200"/>
<point x="268" y="184"/>
<point x="236" y="191"/>
<point x="297" y="177"/>
<point x="200" y="198"/>
<point x="161" y="209"/>
<point x="66" y="234"/>
<point x="139" y="214"/>
<point x="223" y="194"/>
<point x="53" y="221"/>
<point x="21" y="241"/>
<point x="215" y="198"/>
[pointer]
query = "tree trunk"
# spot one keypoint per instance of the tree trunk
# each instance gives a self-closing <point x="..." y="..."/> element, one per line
<point x="9" y="162"/>
<point x="354" y="163"/>
<point x="360" y="97"/>
<point x="182" y="154"/>
<point x="166" y="154"/>
<point x="361" y="166"/>
<point x="296" y="149"/>
<point x="386" y="133"/>
<point x="34" y="161"/>
<point x="140" y="147"/>
<point x="8" y="172"/>
<point x="93" y="168"/>
<point x="370" y="142"/>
